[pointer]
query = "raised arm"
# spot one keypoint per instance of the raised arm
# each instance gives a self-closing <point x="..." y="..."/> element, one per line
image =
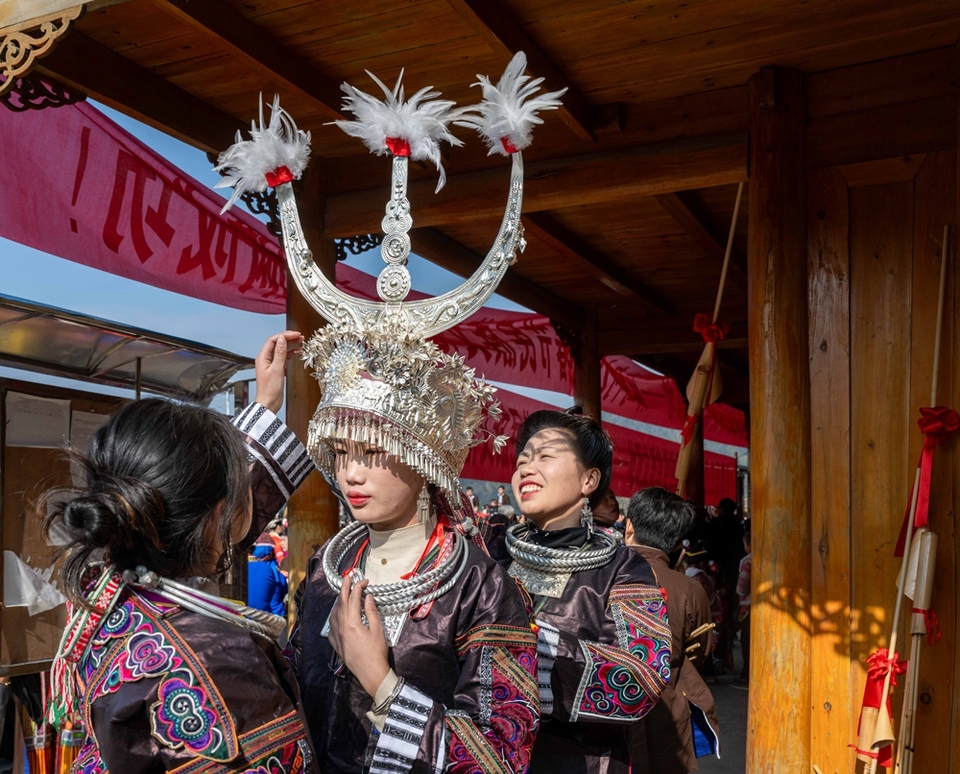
<point x="279" y="460"/>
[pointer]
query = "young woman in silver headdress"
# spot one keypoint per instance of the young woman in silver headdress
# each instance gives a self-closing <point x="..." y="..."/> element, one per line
<point x="603" y="639"/>
<point x="413" y="648"/>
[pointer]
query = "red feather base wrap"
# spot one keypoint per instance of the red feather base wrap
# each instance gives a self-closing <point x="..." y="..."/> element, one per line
<point x="398" y="146"/>
<point x="279" y="176"/>
<point x="508" y="146"/>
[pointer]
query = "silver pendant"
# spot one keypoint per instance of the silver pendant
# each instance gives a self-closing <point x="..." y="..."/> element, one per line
<point x="543" y="584"/>
<point x="392" y="626"/>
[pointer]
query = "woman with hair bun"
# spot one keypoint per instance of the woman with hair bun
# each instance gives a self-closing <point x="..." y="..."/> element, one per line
<point x="603" y="639"/>
<point x="161" y="672"/>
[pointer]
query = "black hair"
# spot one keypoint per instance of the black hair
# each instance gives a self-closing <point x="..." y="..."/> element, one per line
<point x="660" y="518"/>
<point x="591" y="444"/>
<point x="155" y="472"/>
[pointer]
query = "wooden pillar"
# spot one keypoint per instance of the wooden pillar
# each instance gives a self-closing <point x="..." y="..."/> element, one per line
<point x="586" y="376"/>
<point x="313" y="511"/>
<point x="778" y="733"/>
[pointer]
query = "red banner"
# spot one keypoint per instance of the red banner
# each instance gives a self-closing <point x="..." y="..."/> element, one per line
<point x="76" y="185"/>
<point x="643" y="411"/>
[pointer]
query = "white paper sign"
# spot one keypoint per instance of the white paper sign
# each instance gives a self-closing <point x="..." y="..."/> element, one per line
<point x="24" y="586"/>
<point x="37" y="422"/>
<point x="83" y="425"/>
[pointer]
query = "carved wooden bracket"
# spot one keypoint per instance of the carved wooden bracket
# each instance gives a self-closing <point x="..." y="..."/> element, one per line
<point x="21" y="47"/>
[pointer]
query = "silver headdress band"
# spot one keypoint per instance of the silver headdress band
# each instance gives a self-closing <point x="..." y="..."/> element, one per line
<point x="382" y="383"/>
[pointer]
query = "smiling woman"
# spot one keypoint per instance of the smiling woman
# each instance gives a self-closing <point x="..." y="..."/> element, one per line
<point x="603" y="641"/>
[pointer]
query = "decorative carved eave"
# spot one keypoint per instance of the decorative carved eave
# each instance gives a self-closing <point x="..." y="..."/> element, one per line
<point x="35" y="92"/>
<point x="21" y="44"/>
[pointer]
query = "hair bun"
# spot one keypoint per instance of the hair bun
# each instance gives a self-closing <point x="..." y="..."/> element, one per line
<point x="92" y="518"/>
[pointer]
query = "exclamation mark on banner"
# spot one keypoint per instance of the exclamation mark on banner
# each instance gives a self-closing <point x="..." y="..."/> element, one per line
<point x="81" y="168"/>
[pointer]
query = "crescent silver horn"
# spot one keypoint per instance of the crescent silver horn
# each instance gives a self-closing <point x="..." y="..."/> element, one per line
<point x="428" y="316"/>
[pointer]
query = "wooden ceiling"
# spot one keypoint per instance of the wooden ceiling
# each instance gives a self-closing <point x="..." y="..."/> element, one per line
<point x="630" y="188"/>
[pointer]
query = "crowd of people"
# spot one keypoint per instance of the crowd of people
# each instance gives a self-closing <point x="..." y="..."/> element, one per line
<point x="557" y="635"/>
<point x="547" y="632"/>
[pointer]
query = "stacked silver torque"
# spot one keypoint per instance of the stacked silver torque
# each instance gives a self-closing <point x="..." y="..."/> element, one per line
<point x="403" y="596"/>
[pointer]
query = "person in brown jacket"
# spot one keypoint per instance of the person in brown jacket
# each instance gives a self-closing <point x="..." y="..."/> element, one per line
<point x="683" y="726"/>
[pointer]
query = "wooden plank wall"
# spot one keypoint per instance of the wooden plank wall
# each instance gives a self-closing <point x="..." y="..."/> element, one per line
<point x="874" y="241"/>
<point x="28" y="643"/>
<point x="881" y="184"/>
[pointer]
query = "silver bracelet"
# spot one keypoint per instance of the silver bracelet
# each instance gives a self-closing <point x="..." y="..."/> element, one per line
<point x="382" y="707"/>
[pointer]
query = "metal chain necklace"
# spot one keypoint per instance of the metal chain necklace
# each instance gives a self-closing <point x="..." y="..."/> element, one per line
<point x="403" y="596"/>
<point x="210" y="605"/>
<point x="545" y="571"/>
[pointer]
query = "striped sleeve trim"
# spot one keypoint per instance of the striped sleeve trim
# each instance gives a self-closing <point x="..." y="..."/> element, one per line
<point x="402" y="733"/>
<point x="275" y="446"/>
<point x="548" y="644"/>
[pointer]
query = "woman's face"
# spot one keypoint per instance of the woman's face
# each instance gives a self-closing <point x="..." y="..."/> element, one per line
<point x="381" y="490"/>
<point x="549" y="482"/>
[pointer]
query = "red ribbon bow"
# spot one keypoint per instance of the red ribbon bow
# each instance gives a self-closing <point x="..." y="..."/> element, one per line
<point x="711" y="332"/>
<point x="508" y="146"/>
<point x="937" y="425"/>
<point x="880" y="663"/>
<point x="933" y="625"/>
<point x="398" y="146"/>
<point x="279" y="176"/>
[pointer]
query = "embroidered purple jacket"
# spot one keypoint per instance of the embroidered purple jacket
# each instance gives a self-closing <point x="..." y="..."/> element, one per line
<point x="609" y="659"/>
<point x="165" y="689"/>
<point x="470" y="701"/>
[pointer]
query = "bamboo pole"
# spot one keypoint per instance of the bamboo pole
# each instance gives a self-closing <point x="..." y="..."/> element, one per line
<point x="901" y="577"/>
<point x="922" y="596"/>
<point x="704" y="376"/>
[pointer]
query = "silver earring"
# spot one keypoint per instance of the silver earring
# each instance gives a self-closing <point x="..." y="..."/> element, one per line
<point x="586" y="515"/>
<point x="423" y="504"/>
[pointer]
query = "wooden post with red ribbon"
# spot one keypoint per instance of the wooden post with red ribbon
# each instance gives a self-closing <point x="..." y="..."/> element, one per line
<point x="923" y="621"/>
<point x="705" y="386"/>
<point x="937" y="424"/>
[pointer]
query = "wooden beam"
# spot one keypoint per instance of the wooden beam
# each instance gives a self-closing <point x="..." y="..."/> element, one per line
<point x="557" y="237"/>
<point x="440" y="249"/>
<point x="695" y="228"/>
<point x="552" y="184"/>
<point x="587" y="392"/>
<point x="778" y="724"/>
<point x="259" y="50"/>
<point x="81" y="63"/>
<point x="675" y="336"/>
<point x="505" y="36"/>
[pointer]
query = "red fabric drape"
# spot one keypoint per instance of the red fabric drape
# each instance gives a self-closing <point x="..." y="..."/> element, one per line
<point x="76" y="185"/>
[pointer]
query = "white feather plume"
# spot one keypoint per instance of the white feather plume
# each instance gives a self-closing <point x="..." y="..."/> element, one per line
<point x="422" y="121"/>
<point x="245" y="164"/>
<point x="509" y="110"/>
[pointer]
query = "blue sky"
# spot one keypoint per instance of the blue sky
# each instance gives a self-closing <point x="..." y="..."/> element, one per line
<point x="49" y="280"/>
